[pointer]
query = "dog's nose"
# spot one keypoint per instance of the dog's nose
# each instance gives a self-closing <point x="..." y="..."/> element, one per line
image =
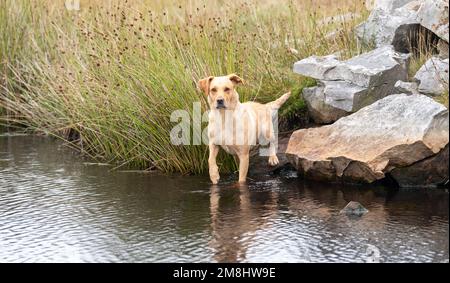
<point x="220" y="102"/>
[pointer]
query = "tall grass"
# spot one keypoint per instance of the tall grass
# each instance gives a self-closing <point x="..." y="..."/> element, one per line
<point x="423" y="45"/>
<point x="106" y="78"/>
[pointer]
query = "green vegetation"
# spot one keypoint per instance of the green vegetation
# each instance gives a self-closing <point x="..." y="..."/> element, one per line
<point x="106" y="78"/>
<point x="443" y="99"/>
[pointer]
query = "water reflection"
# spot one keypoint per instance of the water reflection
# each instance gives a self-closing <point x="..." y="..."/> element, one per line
<point x="55" y="207"/>
<point x="295" y="221"/>
<point x="236" y="214"/>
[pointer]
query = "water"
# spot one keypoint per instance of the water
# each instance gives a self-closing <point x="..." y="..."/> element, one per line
<point x="56" y="207"/>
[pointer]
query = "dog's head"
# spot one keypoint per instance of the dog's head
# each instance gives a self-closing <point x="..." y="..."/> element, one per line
<point x="221" y="91"/>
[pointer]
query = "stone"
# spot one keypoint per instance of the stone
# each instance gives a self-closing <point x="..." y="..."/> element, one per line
<point x="394" y="132"/>
<point x="433" y="77"/>
<point x="429" y="172"/>
<point x="316" y="66"/>
<point x="391" y="22"/>
<point x="346" y="86"/>
<point x="433" y="14"/>
<point x="382" y="23"/>
<point x="406" y="87"/>
<point x="354" y="208"/>
<point x="372" y="69"/>
<point x="367" y="70"/>
<point x="442" y="48"/>
<point x="259" y="165"/>
<point x="318" y="109"/>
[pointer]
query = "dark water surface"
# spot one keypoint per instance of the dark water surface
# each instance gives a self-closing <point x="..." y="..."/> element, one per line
<point x="56" y="207"/>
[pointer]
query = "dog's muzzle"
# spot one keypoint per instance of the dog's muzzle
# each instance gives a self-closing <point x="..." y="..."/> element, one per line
<point x="220" y="104"/>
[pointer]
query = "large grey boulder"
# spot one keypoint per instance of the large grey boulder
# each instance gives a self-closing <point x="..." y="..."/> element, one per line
<point x="433" y="14"/>
<point x="346" y="86"/>
<point x="390" y="22"/>
<point x="382" y="23"/>
<point x="433" y="76"/>
<point x="389" y="136"/>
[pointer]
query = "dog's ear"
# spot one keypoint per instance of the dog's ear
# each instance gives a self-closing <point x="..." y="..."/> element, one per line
<point x="203" y="84"/>
<point x="235" y="79"/>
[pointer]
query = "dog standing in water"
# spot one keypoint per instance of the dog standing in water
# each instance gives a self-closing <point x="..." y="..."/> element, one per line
<point x="236" y="126"/>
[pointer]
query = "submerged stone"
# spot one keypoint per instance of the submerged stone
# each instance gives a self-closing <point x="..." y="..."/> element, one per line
<point x="354" y="208"/>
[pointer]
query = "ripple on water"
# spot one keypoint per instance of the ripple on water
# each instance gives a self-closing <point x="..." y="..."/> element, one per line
<point x="55" y="208"/>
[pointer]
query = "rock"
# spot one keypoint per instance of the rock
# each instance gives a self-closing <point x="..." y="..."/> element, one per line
<point x="367" y="70"/>
<point x="371" y="69"/>
<point x="319" y="110"/>
<point x="406" y="87"/>
<point x="433" y="14"/>
<point x="390" y="22"/>
<point x="354" y="208"/>
<point x="396" y="131"/>
<point x="316" y="66"/>
<point x="433" y="76"/>
<point x="346" y="86"/>
<point x="429" y="172"/>
<point x="382" y="23"/>
<point x="259" y="165"/>
<point x="442" y="48"/>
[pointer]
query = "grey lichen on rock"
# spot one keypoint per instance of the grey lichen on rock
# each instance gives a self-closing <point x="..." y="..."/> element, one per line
<point x="346" y="86"/>
<point x="406" y="87"/>
<point x="433" y="76"/>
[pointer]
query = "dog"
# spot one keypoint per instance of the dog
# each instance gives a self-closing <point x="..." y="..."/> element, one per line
<point x="236" y="126"/>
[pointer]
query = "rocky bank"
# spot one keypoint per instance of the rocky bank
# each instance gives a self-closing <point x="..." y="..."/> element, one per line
<point x="384" y="124"/>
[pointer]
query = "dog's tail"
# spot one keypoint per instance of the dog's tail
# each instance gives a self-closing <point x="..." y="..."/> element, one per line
<point x="276" y="104"/>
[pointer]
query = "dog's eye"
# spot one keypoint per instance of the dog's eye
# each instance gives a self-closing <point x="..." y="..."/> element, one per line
<point x="214" y="89"/>
<point x="227" y="89"/>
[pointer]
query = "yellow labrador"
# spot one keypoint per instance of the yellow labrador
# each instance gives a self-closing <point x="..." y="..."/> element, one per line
<point x="236" y="126"/>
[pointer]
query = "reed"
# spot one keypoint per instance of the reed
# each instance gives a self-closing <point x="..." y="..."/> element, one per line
<point x="107" y="77"/>
<point x="423" y="45"/>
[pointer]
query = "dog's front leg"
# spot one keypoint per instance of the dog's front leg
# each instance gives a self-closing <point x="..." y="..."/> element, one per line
<point x="273" y="144"/>
<point x="243" y="166"/>
<point x="273" y="159"/>
<point x="213" y="169"/>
